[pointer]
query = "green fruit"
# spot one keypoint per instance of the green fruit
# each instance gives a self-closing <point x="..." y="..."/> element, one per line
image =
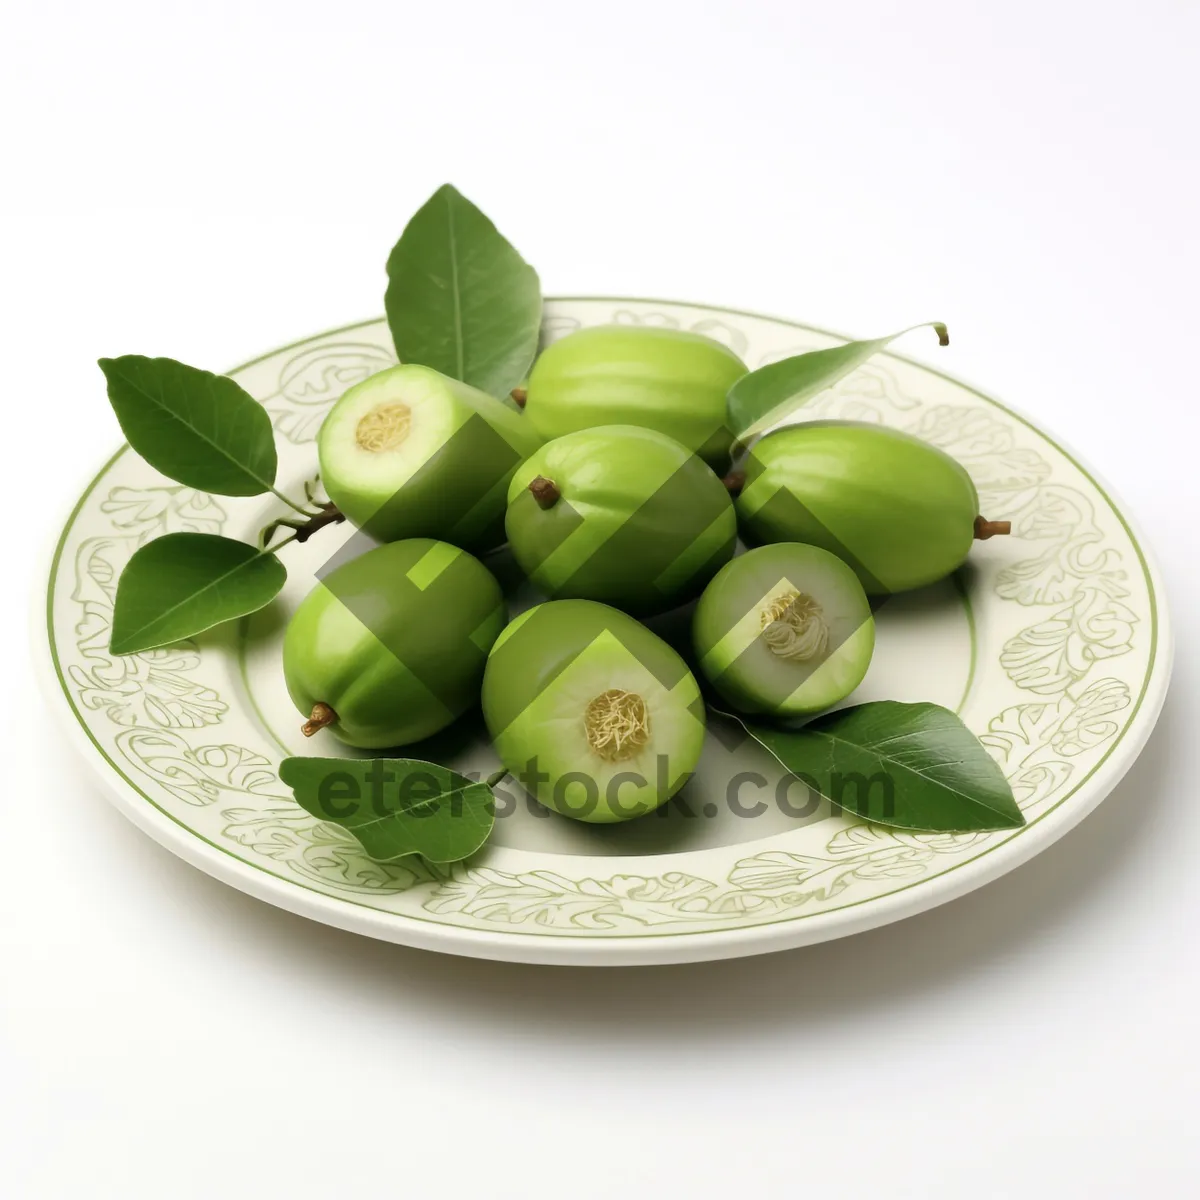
<point x="784" y="630"/>
<point x="622" y="515"/>
<point x="412" y="453"/>
<point x="898" y="510"/>
<point x="598" y="718"/>
<point x="391" y="647"/>
<point x="662" y="379"/>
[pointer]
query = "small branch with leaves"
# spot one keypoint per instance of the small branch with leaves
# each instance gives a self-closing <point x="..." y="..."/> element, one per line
<point x="205" y="432"/>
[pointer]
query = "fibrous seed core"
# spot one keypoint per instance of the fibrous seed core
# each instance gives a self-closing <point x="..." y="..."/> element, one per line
<point x="617" y="724"/>
<point x="384" y="428"/>
<point x="793" y="627"/>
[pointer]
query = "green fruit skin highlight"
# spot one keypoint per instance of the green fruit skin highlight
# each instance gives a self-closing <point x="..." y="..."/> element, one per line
<point x="544" y="672"/>
<point x="395" y="642"/>
<point x="737" y="658"/>
<point x="898" y="510"/>
<point x="640" y="523"/>
<point x="447" y="478"/>
<point x="663" y="379"/>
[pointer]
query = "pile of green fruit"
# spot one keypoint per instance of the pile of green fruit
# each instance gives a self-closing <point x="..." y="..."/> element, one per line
<point x="617" y="516"/>
<point x="620" y="465"/>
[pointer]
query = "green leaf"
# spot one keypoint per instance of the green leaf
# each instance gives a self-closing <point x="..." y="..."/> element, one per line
<point x="395" y="806"/>
<point x="767" y="395"/>
<point x="200" y="429"/>
<point x="912" y="766"/>
<point x="460" y="299"/>
<point x="183" y="583"/>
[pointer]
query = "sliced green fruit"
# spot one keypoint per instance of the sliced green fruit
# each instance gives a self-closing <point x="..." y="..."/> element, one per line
<point x="596" y="716"/>
<point x="901" y="512"/>
<point x="663" y="379"/>
<point x="784" y="630"/>
<point x="412" y="453"/>
<point x="391" y="647"/>
<point x="622" y="515"/>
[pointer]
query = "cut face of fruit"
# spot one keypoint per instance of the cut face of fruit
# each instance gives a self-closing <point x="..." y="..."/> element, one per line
<point x="391" y="647"/>
<point x="898" y="510"/>
<point x="784" y="630"/>
<point x="621" y="515"/>
<point x="596" y="716"/>
<point x="664" y="379"/>
<point x="411" y="453"/>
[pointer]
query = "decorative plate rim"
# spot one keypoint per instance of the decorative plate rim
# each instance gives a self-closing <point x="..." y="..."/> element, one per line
<point x="678" y="945"/>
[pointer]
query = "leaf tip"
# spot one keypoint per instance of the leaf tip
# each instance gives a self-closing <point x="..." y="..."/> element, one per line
<point x="288" y="770"/>
<point x="447" y="193"/>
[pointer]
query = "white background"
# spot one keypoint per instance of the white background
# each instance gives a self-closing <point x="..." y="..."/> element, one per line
<point x="211" y="180"/>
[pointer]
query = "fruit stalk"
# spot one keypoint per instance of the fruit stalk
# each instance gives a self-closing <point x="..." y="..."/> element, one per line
<point x="545" y="492"/>
<point x="985" y="529"/>
<point x="321" y="717"/>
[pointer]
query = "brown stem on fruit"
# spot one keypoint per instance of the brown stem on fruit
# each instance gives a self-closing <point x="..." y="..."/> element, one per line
<point x="545" y="492"/>
<point x="734" y="482"/>
<point x="519" y="396"/>
<point x="322" y="716"/>
<point x="985" y="529"/>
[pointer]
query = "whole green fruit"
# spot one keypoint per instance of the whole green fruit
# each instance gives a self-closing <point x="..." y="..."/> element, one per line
<point x="412" y="453"/>
<point x="784" y="630"/>
<point x="596" y="716"/>
<point x="391" y="647"/>
<point x="662" y="379"/>
<point x="898" y="510"/>
<point x="622" y="515"/>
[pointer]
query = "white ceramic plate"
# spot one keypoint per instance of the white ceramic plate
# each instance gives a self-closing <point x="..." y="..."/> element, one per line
<point x="1053" y="645"/>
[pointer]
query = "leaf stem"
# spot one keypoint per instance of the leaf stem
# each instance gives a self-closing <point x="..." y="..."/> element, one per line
<point x="290" y="503"/>
<point x="287" y="541"/>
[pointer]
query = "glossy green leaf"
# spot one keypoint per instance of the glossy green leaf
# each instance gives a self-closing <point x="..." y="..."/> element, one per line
<point x="759" y="399"/>
<point x="395" y="806"/>
<point x="200" y="429"/>
<point x="183" y="583"/>
<point x="460" y="299"/>
<point x="912" y="766"/>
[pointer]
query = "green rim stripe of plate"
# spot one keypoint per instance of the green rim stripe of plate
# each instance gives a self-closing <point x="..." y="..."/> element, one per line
<point x="969" y="609"/>
<point x="609" y="935"/>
